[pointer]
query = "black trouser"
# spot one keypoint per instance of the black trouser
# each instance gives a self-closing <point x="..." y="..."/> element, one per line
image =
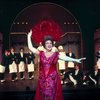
<point x="30" y="74"/>
<point x="21" y="74"/>
<point x="13" y="76"/>
<point x="66" y="75"/>
<point x="79" y="80"/>
<point x="90" y="82"/>
<point x="1" y="76"/>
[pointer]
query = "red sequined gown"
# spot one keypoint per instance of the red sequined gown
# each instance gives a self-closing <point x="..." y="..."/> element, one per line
<point x="49" y="84"/>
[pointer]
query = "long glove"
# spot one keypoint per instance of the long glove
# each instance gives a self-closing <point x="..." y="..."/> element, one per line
<point x="66" y="58"/>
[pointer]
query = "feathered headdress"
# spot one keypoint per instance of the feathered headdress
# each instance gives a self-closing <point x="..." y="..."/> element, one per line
<point x="44" y="28"/>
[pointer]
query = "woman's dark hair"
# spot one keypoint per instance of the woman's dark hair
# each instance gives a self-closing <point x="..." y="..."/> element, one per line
<point x="46" y="38"/>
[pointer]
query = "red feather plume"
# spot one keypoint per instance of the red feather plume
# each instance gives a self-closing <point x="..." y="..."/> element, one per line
<point x="46" y="27"/>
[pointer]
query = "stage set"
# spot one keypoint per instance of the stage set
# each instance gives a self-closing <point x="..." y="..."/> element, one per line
<point x="47" y="18"/>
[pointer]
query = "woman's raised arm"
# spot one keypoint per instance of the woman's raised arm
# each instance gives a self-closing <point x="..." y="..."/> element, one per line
<point x="30" y="46"/>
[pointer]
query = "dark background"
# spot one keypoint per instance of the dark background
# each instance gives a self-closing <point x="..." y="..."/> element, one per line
<point x="86" y="12"/>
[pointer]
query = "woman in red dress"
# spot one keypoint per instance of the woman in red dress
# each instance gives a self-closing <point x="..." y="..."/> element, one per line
<point x="49" y="84"/>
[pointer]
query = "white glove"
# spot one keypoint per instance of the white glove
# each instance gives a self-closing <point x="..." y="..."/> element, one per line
<point x="79" y="60"/>
<point x="30" y="33"/>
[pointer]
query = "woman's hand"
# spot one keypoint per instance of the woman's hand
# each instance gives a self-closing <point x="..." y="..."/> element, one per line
<point x="30" y="33"/>
<point x="83" y="58"/>
<point x="79" y="60"/>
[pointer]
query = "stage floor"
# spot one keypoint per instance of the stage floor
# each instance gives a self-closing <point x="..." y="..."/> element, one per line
<point x="30" y="85"/>
<point x="19" y="90"/>
<point x="25" y="89"/>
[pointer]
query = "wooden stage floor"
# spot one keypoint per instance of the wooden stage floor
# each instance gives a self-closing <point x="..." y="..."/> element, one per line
<point x="25" y="90"/>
